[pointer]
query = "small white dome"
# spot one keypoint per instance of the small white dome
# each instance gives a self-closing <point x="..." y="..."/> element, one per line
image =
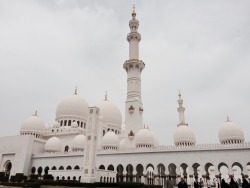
<point x="183" y="134"/>
<point x="248" y="167"/>
<point x="109" y="113"/>
<point x="144" y="138"/>
<point x="122" y="143"/>
<point x="110" y="140"/>
<point x="33" y="124"/>
<point x="53" y="145"/>
<point x="230" y="132"/>
<point x="73" y="105"/>
<point x="56" y="124"/>
<point x="74" y="124"/>
<point x="78" y="142"/>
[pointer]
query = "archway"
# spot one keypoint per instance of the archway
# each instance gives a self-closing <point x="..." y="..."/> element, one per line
<point x="33" y="170"/>
<point x="237" y="171"/>
<point x="139" y="172"/>
<point x="161" y="174"/>
<point x="40" y="170"/>
<point x="111" y="168"/>
<point x="224" y="171"/>
<point x="76" y="167"/>
<point x="102" y="167"/>
<point x="7" y="168"/>
<point x="69" y="168"/>
<point x="66" y="149"/>
<point x="129" y="175"/>
<point x="150" y="174"/>
<point x="196" y="167"/>
<point x="46" y="170"/>
<point x="172" y="172"/>
<point x="119" y="175"/>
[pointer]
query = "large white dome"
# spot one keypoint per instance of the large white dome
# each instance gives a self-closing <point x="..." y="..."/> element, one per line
<point x="230" y="132"/>
<point x="110" y="114"/>
<point x="110" y="140"/>
<point x="33" y="124"/>
<point x="73" y="105"/>
<point x="145" y="138"/>
<point x="53" y="145"/>
<point x="184" y="135"/>
<point x="78" y="143"/>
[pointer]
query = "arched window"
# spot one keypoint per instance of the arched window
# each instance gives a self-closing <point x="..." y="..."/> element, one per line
<point x="77" y="167"/>
<point x="61" y="123"/>
<point x="69" y="168"/>
<point x="74" y="178"/>
<point x="65" y="122"/>
<point x="53" y="168"/>
<point x="69" y="123"/>
<point x="40" y="170"/>
<point x="81" y="124"/>
<point x="61" y="168"/>
<point x="103" y="132"/>
<point x="111" y="168"/>
<point x="63" y="178"/>
<point x="68" y="178"/>
<point x="84" y="125"/>
<point x="46" y="170"/>
<point x="102" y="167"/>
<point x="33" y="170"/>
<point x="66" y="149"/>
<point x="78" y="122"/>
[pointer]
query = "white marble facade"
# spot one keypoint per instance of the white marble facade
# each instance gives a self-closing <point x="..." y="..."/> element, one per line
<point x="91" y="143"/>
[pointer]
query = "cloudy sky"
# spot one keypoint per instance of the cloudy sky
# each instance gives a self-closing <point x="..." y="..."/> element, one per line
<point x="200" y="47"/>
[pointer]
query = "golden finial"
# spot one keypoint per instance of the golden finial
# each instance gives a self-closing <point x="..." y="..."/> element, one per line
<point x="76" y="90"/>
<point x="133" y="12"/>
<point x="106" y="96"/>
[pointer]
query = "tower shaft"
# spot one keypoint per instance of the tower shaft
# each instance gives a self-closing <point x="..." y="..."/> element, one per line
<point x="133" y="67"/>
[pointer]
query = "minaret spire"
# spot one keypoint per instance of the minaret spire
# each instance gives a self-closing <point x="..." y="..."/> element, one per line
<point x="75" y="91"/>
<point x="181" y="110"/>
<point x="133" y="67"/>
<point x="133" y="12"/>
<point x="106" y="96"/>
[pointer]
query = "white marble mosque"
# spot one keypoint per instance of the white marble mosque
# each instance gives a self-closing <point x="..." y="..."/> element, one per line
<point x="93" y="144"/>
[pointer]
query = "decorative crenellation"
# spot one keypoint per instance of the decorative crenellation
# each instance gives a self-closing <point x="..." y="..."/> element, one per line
<point x="170" y="148"/>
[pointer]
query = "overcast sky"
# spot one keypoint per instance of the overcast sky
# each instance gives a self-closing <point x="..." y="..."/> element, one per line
<point x="200" y="47"/>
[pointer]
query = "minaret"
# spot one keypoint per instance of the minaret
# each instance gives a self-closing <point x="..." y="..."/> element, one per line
<point x="133" y="67"/>
<point x="181" y="111"/>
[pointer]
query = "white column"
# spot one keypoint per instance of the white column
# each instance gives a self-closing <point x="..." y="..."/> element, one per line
<point x="89" y="160"/>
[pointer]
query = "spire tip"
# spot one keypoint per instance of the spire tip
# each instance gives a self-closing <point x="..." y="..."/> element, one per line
<point x="76" y="90"/>
<point x="133" y="12"/>
<point x="106" y="96"/>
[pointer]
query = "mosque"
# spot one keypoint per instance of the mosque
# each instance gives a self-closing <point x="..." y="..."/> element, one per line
<point x="92" y="144"/>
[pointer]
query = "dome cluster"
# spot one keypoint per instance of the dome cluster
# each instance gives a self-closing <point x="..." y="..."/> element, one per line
<point x="72" y="112"/>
